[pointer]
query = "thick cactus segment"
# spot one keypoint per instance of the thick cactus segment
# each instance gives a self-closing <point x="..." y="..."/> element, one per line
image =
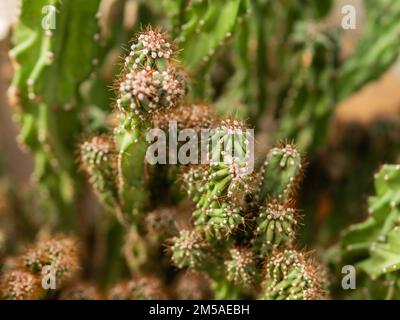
<point x="201" y="27"/>
<point x="190" y="250"/>
<point x="50" y="64"/>
<point x="241" y="268"/>
<point x="131" y="147"/>
<point x="373" y="245"/>
<point x="280" y="174"/>
<point x="276" y="226"/>
<point x="321" y="79"/>
<point x="310" y="100"/>
<point x="384" y="209"/>
<point x="378" y="49"/>
<point x="49" y="58"/>
<point x="99" y="160"/>
<point x="291" y="275"/>
<point x="384" y="256"/>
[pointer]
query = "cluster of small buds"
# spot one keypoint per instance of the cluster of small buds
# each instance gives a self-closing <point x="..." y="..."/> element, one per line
<point x="98" y="159"/>
<point x="20" y="285"/>
<point x="276" y="225"/>
<point x="80" y="291"/>
<point x="289" y="152"/>
<point x="95" y="152"/>
<point x="230" y="143"/>
<point x="241" y="268"/>
<point x="280" y="174"/>
<point x="219" y="188"/>
<point x="151" y="82"/>
<point x="147" y="91"/>
<point x="292" y="275"/>
<point x="234" y="181"/>
<point x="139" y="288"/>
<point x="193" y="181"/>
<point x="189" y="250"/>
<point x="60" y="253"/>
<point x="219" y="219"/>
<point x="150" y="45"/>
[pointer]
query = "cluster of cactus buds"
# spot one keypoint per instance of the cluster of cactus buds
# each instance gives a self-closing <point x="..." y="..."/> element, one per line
<point x="151" y="82"/>
<point x="241" y="268"/>
<point x="190" y="250"/>
<point x="202" y="27"/>
<point x="20" y="285"/>
<point x="276" y="226"/>
<point x="98" y="160"/>
<point x="59" y="253"/>
<point x="219" y="188"/>
<point x="291" y="275"/>
<point x="281" y="173"/>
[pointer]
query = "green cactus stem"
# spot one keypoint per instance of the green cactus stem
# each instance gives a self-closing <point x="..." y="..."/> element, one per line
<point x="281" y="173"/>
<point x="291" y="275"/>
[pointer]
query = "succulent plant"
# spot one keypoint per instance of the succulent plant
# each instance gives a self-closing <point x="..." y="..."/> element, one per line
<point x="225" y="225"/>
<point x="372" y="245"/>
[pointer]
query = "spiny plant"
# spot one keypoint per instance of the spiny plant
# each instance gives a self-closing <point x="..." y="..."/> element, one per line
<point x="20" y="285"/>
<point x="372" y="246"/>
<point x="202" y="27"/>
<point x="237" y="231"/>
<point x="24" y="281"/>
<point x="226" y="241"/>
<point x="246" y="238"/>
<point x="50" y="63"/>
<point x="305" y="75"/>
<point x="292" y="276"/>
<point x="151" y="81"/>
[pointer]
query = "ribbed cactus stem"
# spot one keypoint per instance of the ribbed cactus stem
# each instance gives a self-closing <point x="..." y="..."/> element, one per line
<point x="276" y="226"/>
<point x="291" y="275"/>
<point x="281" y="173"/>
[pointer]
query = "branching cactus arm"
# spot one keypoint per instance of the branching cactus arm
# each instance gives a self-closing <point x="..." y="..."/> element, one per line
<point x="371" y="245"/>
<point x="281" y="173"/>
<point x="52" y="56"/>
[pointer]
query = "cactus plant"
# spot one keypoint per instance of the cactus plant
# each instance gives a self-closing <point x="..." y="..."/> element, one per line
<point x="50" y="64"/>
<point x="25" y="281"/>
<point x="225" y="224"/>
<point x="371" y="245"/>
